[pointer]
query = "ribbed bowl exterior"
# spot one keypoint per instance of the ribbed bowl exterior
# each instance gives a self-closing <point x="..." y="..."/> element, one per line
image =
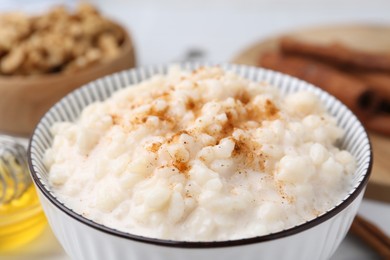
<point x="84" y="239"/>
<point x="83" y="242"/>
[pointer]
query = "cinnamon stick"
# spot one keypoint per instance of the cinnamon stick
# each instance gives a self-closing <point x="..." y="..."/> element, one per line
<point x="352" y="92"/>
<point x="379" y="123"/>
<point x="337" y="54"/>
<point x="377" y="81"/>
<point x="371" y="235"/>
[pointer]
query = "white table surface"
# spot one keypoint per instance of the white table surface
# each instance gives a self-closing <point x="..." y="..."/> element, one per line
<point x="164" y="31"/>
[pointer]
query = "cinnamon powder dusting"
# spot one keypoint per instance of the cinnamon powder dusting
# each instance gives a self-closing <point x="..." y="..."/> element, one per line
<point x="116" y="119"/>
<point x="181" y="166"/>
<point x="243" y="114"/>
<point x="270" y="109"/>
<point x="154" y="147"/>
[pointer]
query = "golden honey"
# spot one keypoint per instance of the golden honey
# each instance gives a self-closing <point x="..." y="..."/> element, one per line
<point x="21" y="220"/>
<point x="21" y="216"/>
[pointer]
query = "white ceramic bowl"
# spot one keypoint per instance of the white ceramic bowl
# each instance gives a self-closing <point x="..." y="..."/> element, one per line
<point x="85" y="239"/>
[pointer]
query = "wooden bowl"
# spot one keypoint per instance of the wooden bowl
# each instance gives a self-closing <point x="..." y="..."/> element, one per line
<point x="24" y="99"/>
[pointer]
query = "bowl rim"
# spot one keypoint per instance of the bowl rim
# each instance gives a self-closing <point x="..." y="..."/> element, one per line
<point x="206" y="244"/>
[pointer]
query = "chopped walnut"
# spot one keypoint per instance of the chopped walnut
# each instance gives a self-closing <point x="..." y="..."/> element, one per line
<point x="60" y="40"/>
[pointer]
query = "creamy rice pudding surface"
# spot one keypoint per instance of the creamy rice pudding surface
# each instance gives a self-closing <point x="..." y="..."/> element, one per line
<point x="200" y="156"/>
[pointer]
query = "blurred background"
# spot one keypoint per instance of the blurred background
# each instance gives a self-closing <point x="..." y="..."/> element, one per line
<point x="165" y="30"/>
<point x="216" y="30"/>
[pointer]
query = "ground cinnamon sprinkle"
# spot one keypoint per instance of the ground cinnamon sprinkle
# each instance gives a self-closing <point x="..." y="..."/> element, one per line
<point x="238" y="116"/>
<point x="270" y="109"/>
<point x="244" y="97"/>
<point x="181" y="166"/>
<point x="250" y="154"/>
<point x="154" y="147"/>
<point x="116" y="119"/>
<point x="190" y="104"/>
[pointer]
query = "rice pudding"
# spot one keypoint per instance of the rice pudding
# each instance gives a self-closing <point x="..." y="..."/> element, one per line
<point x="204" y="155"/>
